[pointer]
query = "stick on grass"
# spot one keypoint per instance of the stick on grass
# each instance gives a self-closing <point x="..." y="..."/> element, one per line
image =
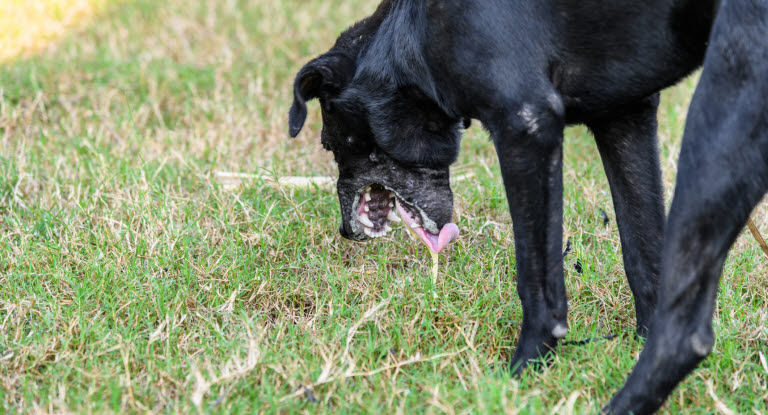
<point x="756" y="233"/>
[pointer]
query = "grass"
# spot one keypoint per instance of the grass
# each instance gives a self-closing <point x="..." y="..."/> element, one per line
<point x="133" y="279"/>
<point x="28" y="25"/>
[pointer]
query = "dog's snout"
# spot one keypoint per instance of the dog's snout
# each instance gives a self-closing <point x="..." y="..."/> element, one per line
<point x="343" y="232"/>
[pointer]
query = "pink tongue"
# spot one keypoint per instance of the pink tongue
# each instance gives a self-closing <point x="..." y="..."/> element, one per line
<point x="448" y="234"/>
<point x="435" y="243"/>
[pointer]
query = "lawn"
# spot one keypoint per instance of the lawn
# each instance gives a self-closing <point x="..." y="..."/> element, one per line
<point x="152" y="261"/>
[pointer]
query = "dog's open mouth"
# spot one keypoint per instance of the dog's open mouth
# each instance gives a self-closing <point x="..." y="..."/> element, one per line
<point x="378" y="207"/>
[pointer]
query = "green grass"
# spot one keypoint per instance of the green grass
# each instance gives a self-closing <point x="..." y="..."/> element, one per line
<point x="133" y="279"/>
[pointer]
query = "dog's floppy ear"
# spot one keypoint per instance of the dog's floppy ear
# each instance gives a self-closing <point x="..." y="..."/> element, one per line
<point x="323" y="76"/>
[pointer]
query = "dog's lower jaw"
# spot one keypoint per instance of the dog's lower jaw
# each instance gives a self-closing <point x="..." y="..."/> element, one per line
<point x="375" y="207"/>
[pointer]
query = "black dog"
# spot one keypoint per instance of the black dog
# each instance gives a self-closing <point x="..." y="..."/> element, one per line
<point x="396" y="88"/>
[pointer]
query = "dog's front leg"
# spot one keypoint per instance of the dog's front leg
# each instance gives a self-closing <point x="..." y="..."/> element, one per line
<point x="529" y="146"/>
<point x="628" y="146"/>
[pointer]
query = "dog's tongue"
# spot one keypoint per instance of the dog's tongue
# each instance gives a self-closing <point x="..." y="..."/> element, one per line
<point x="448" y="234"/>
<point x="435" y="243"/>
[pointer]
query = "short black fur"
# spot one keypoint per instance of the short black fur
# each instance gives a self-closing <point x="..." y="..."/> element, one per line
<point x="397" y="87"/>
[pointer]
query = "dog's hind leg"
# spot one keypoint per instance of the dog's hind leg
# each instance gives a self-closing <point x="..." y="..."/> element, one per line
<point x="628" y="146"/>
<point x="723" y="174"/>
<point x="529" y="146"/>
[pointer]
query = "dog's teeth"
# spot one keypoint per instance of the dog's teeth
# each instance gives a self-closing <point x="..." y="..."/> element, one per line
<point x="415" y="225"/>
<point x="391" y="205"/>
<point x="392" y="195"/>
<point x="367" y="189"/>
<point x="368" y="232"/>
<point x="393" y="217"/>
<point x="365" y="220"/>
<point x="367" y="208"/>
<point x="367" y="197"/>
<point x="387" y="228"/>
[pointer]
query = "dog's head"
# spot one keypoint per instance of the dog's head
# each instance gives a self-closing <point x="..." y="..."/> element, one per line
<point x="393" y="147"/>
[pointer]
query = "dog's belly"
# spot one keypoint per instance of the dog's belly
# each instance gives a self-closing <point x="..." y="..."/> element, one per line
<point x="615" y="54"/>
<point x="598" y="91"/>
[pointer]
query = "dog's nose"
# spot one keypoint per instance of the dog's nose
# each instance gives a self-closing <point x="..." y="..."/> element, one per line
<point x="343" y="232"/>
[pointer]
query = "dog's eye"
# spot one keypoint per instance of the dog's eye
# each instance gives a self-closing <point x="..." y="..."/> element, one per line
<point x="350" y="140"/>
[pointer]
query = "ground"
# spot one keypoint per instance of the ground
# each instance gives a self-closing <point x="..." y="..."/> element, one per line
<point x="137" y="273"/>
